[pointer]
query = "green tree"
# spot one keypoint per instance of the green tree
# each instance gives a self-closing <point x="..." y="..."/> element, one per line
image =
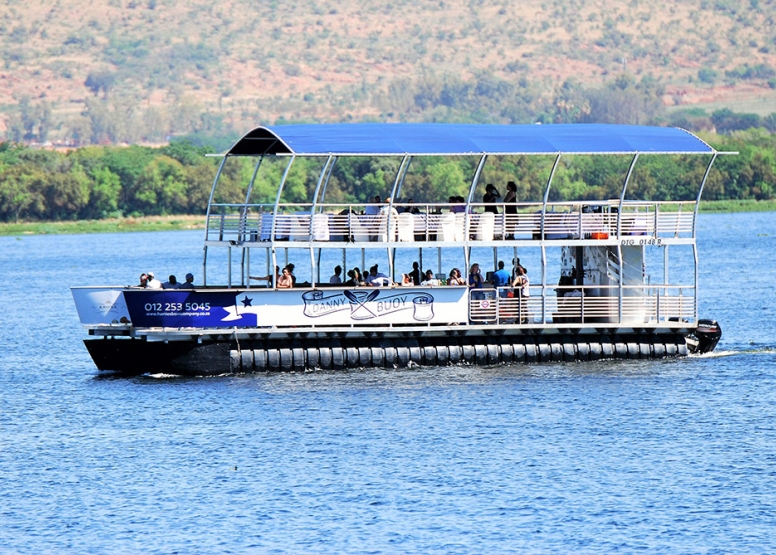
<point x="18" y="194"/>
<point x="65" y="193"/>
<point x="105" y="189"/>
<point x="160" y="188"/>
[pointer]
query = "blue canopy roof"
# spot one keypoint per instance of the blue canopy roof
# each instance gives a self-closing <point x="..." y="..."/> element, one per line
<point x="354" y="139"/>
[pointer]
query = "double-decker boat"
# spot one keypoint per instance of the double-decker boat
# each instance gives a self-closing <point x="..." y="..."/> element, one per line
<point x="585" y="279"/>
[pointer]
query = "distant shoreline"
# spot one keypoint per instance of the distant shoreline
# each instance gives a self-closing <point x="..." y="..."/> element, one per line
<point x="185" y="222"/>
<point x="112" y="225"/>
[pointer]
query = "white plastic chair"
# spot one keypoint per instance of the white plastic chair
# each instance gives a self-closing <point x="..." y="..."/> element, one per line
<point x="485" y="226"/>
<point x="358" y="231"/>
<point x="299" y="231"/>
<point x="406" y="227"/>
<point x="320" y="227"/>
<point x="460" y="232"/>
<point x="446" y="228"/>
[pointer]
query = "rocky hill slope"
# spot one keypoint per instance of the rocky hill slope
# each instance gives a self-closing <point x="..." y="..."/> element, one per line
<point x="140" y="70"/>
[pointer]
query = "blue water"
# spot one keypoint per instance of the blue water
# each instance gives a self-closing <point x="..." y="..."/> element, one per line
<point x="671" y="456"/>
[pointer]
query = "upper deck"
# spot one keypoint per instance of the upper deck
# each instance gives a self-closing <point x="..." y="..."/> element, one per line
<point x="321" y="223"/>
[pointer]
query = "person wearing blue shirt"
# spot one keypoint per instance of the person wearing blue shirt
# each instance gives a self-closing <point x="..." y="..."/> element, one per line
<point x="501" y="279"/>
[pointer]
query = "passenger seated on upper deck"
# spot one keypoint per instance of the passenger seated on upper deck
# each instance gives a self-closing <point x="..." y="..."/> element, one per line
<point x="351" y="282"/>
<point x="377" y="278"/>
<point x="411" y="209"/>
<point x="373" y="209"/>
<point x="406" y="280"/>
<point x="285" y="281"/>
<point x="459" y="205"/>
<point x="429" y="279"/>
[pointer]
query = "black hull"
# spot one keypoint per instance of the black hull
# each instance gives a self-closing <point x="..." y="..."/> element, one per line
<point x="137" y="356"/>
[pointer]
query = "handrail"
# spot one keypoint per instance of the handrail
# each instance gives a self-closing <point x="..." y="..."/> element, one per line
<point x="636" y="221"/>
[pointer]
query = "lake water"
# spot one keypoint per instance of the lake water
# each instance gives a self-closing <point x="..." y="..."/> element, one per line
<point x="674" y="456"/>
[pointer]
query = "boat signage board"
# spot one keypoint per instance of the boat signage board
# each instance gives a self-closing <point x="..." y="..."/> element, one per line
<point x="256" y="308"/>
<point x="100" y="305"/>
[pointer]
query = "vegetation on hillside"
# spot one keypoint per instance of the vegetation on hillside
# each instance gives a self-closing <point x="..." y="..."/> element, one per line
<point x="130" y="71"/>
<point x="100" y="182"/>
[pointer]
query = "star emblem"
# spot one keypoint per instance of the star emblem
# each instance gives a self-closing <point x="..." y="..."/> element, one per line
<point x="246" y="301"/>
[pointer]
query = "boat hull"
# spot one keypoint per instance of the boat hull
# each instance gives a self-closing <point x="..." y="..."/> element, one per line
<point x="196" y="357"/>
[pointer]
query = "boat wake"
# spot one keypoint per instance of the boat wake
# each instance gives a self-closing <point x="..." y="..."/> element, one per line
<point x="727" y="353"/>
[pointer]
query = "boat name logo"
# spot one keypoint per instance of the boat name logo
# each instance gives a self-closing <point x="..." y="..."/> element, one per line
<point x="367" y="305"/>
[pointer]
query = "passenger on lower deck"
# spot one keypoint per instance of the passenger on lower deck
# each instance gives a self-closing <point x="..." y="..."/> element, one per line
<point x="153" y="283"/>
<point x="456" y="278"/>
<point x="189" y="283"/>
<point x="271" y="281"/>
<point x="291" y="273"/>
<point x="475" y="281"/>
<point x="285" y="281"/>
<point x="415" y="274"/>
<point x="358" y="277"/>
<point x="500" y="279"/>
<point x="521" y="291"/>
<point x="171" y="283"/>
<point x="336" y="279"/>
<point x="376" y="278"/>
<point x="429" y="279"/>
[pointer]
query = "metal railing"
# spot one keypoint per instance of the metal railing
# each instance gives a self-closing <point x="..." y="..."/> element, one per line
<point x="640" y="305"/>
<point x="445" y="222"/>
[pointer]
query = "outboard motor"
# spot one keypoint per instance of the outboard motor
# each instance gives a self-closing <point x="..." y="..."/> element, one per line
<point x="705" y="337"/>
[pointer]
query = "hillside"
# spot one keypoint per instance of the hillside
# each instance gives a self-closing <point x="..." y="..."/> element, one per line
<point x="140" y="70"/>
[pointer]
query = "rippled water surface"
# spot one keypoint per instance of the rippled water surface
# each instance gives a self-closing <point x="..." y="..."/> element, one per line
<point x="671" y="456"/>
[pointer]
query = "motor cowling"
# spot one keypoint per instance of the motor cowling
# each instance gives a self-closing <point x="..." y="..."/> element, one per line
<point x="705" y="337"/>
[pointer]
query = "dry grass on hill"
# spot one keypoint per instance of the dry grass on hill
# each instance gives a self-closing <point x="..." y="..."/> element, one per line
<point x="330" y="60"/>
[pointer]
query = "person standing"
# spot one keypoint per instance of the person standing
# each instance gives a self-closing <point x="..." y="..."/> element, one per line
<point x="510" y="209"/>
<point x="500" y="279"/>
<point x="415" y="273"/>
<point x="522" y="292"/>
<point x="476" y="283"/>
<point x="490" y="198"/>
